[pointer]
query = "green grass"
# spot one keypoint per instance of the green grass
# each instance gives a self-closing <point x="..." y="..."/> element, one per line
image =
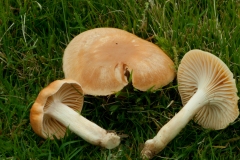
<point x="34" y="34"/>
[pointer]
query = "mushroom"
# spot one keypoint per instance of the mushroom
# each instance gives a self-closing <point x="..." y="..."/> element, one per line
<point x="102" y="59"/>
<point x="57" y="107"/>
<point x="209" y="95"/>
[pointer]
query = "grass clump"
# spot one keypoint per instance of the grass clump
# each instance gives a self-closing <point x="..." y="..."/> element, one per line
<point x="34" y="34"/>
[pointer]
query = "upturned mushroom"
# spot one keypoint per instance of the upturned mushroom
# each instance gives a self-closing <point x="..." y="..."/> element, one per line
<point x="209" y="95"/>
<point x="57" y="107"/>
<point x="101" y="60"/>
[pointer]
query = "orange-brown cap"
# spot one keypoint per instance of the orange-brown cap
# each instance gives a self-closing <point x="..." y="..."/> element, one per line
<point x="100" y="60"/>
<point x="205" y="71"/>
<point x="67" y="91"/>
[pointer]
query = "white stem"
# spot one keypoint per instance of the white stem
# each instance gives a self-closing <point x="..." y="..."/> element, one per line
<point x="86" y="129"/>
<point x="174" y="126"/>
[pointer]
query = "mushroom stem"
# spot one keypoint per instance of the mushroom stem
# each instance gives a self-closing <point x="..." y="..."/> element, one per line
<point x="174" y="126"/>
<point x="86" y="129"/>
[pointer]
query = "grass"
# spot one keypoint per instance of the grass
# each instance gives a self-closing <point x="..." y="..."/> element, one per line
<point x="34" y="34"/>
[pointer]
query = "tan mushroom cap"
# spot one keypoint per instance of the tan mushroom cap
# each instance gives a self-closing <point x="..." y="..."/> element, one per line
<point x="68" y="92"/>
<point x="203" y="70"/>
<point x="100" y="59"/>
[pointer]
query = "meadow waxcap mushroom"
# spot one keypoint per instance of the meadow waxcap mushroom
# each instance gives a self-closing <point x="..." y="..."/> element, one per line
<point x="57" y="107"/>
<point x="102" y="59"/>
<point x="209" y="95"/>
<point x="66" y="91"/>
<point x="205" y="71"/>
